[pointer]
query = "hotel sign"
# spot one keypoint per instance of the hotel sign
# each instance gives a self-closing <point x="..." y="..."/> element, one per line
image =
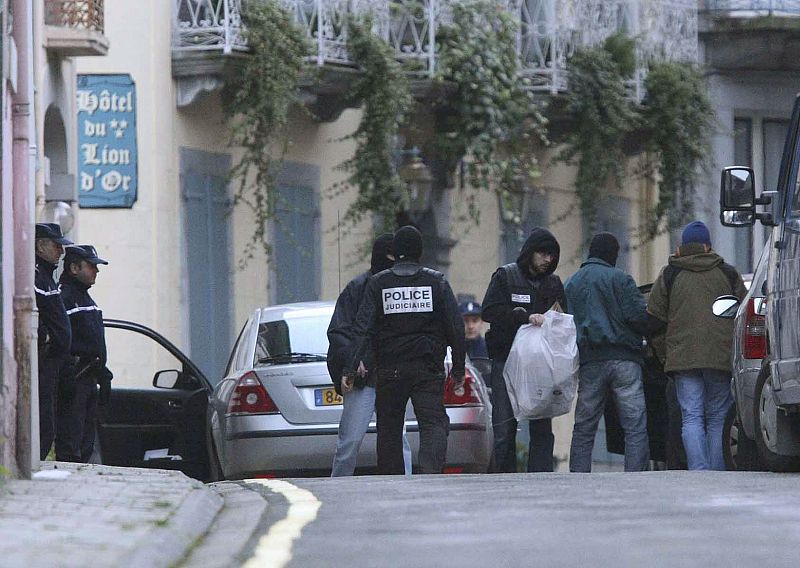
<point x="107" y="154"/>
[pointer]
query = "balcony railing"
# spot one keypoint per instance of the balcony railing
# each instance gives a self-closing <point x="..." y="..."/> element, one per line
<point x="550" y="30"/>
<point x="755" y="7"/>
<point x="75" y="14"/>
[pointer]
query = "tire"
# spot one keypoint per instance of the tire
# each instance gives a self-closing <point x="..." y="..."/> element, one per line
<point x="740" y="452"/>
<point x="762" y="408"/>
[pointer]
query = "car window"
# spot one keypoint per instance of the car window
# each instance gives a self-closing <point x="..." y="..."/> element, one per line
<point x="244" y="351"/>
<point x="234" y="352"/>
<point x="135" y="358"/>
<point x="294" y="334"/>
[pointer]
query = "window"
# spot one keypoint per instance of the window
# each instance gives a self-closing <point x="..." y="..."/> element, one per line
<point x="305" y="332"/>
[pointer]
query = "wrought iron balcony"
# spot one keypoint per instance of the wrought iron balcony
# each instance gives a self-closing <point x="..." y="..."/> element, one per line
<point x="750" y="8"/>
<point x="75" y="27"/>
<point x="550" y="30"/>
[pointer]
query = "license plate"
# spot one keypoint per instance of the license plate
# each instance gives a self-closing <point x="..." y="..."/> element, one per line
<point x="326" y="397"/>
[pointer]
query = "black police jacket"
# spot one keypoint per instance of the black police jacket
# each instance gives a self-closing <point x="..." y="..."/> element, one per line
<point x="409" y="314"/>
<point x="88" y="333"/>
<point x="55" y="333"/>
<point x="340" y="330"/>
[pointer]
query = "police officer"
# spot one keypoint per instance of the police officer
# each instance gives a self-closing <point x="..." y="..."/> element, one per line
<point x="519" y="293"/>
<point x="407" y="319"/>
<point x="476" y="344"/>
<point x="78" y="396"/>
<point x="55" y="334"/>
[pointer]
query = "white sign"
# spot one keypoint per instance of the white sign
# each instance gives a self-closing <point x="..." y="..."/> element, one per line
<point x="521" y="298"/>
<point x="407" y="300"/>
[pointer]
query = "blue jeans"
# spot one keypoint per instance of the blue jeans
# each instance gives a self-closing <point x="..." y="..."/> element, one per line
<point x="540" y="450"/>
<point x="623" y="380"/>
<point x="359" y="406"/>
<point x="705" y="397"/>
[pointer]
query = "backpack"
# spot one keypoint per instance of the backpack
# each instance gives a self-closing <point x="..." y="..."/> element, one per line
<point x="671" y="272"/>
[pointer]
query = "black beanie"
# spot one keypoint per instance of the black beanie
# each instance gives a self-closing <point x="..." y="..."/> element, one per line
<point x="605" y="247"/>
<point x="380" y="248"/>
<point x="407" y="243"/>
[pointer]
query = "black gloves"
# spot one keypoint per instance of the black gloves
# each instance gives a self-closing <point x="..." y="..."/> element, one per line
<point x="520" y="315"/>
<point x="104" y="377"/>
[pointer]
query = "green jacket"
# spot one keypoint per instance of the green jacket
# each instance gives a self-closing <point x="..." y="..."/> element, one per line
<point x="695" y="337"/>
<point x="608" y="309"/>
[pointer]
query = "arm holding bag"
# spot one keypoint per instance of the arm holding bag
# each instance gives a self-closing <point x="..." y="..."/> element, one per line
<point x="541" y="371"/>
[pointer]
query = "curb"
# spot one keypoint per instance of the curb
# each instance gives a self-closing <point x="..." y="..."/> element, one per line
<point x="169" y="544"/>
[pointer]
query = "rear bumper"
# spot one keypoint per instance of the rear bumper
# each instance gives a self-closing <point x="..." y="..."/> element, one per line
<point x="309" y="449"/>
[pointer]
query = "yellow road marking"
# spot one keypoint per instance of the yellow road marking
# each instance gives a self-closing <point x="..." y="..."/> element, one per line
<point x="274" y="549"/>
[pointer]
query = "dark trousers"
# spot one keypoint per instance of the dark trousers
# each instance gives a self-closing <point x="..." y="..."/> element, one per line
<point x="77" y="409"/>
<point x="540" y="450"/>
<point x="49" y="370"/>
<point x="424" y="385"/>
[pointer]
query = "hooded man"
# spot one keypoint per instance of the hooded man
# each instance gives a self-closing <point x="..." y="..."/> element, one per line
<point x="520" y="293"/>
<point x="407" y="320"/>
<point x="610" y="316"/>
<point x="359" y="399"/>
<point x="698" y="344"/>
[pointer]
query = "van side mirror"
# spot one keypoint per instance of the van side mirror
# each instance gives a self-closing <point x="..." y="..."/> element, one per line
<point x="737" y="197"/>
<point x="725" y="306"/>
<point x="166" y="379"/>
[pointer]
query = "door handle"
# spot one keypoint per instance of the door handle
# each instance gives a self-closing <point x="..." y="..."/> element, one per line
<point x="175" y="404"/>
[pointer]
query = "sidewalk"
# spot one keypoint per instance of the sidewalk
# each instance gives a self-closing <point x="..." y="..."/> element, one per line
<point x="93" y="515"/>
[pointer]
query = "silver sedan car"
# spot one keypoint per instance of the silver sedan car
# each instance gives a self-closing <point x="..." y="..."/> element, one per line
<point x="276" y="413"/>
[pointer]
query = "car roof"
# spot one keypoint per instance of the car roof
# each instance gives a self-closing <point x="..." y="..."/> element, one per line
<point x="299" y="309"/>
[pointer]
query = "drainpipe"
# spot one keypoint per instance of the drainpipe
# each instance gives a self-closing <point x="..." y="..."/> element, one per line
<point x="25" y="316"/>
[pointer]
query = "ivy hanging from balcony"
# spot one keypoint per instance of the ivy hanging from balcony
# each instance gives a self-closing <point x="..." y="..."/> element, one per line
<point x="679" y="117"/>
<point x="601" y="117"/>
<point x="491" y="119"/>
<point x="386" y="99"/>
<point x="674" y="123"/>
<point x="258" y="100"/>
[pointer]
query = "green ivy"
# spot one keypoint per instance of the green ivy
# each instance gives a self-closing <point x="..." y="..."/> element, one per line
<point x="602" y="116"/>
<point x="257" y="100"/>
<point x="386" y="101"/>
<point x="491" y="119"/>
<point x="679" y="116"/>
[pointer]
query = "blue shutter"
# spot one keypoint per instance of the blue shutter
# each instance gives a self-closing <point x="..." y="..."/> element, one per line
<point x="207" y="206"/>
<point x="296" y="234"/>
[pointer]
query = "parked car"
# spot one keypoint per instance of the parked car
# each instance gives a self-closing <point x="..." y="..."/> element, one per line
<point x="776" y="393"/>
<point x="274" y="413"/>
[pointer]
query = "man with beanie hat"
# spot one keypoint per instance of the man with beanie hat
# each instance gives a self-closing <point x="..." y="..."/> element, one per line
<point x="698" y="345"/>
<point x="358" y="393"/>
<point x="55" y="333"/>
<point x="610" y="317"/>
<point x="86" y="370"/>
<point x="520" y="293"/>
<point x="407" y="320"/>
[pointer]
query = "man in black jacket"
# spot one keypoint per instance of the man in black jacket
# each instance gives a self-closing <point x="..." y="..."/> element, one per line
<point x="520" y="293"/>
<point x="407" y="319"/>
<point x="55" y="334"/>
<point x="78" y="397"/>
<point x="359" y="398"/>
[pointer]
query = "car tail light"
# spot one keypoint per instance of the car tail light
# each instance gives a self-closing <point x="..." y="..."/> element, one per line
<point x="453" y="469"/>
<point x="250" y="397"/>
<point x="468" y="396"/>
<point x="754" y="338"/>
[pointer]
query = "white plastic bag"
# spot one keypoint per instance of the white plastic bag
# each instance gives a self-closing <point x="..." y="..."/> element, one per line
<point x="541" y="371"/>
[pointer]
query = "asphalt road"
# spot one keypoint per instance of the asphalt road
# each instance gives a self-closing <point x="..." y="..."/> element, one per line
<point x="671" y="519"/>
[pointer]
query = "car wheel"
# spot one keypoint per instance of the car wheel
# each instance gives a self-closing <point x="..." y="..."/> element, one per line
<point x="740" y="451"/>
<point x="764" y="415"/>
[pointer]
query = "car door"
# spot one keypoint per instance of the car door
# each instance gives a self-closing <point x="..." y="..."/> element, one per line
<point x="144" y="426"/>
<point x="784" y="275"/>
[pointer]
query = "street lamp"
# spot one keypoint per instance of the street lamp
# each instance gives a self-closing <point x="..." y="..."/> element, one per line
<point x="418" y="179"/>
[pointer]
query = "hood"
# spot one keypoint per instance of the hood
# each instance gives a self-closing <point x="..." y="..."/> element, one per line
<point x="540" y="240"/>
<point x="697" y="262"/>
